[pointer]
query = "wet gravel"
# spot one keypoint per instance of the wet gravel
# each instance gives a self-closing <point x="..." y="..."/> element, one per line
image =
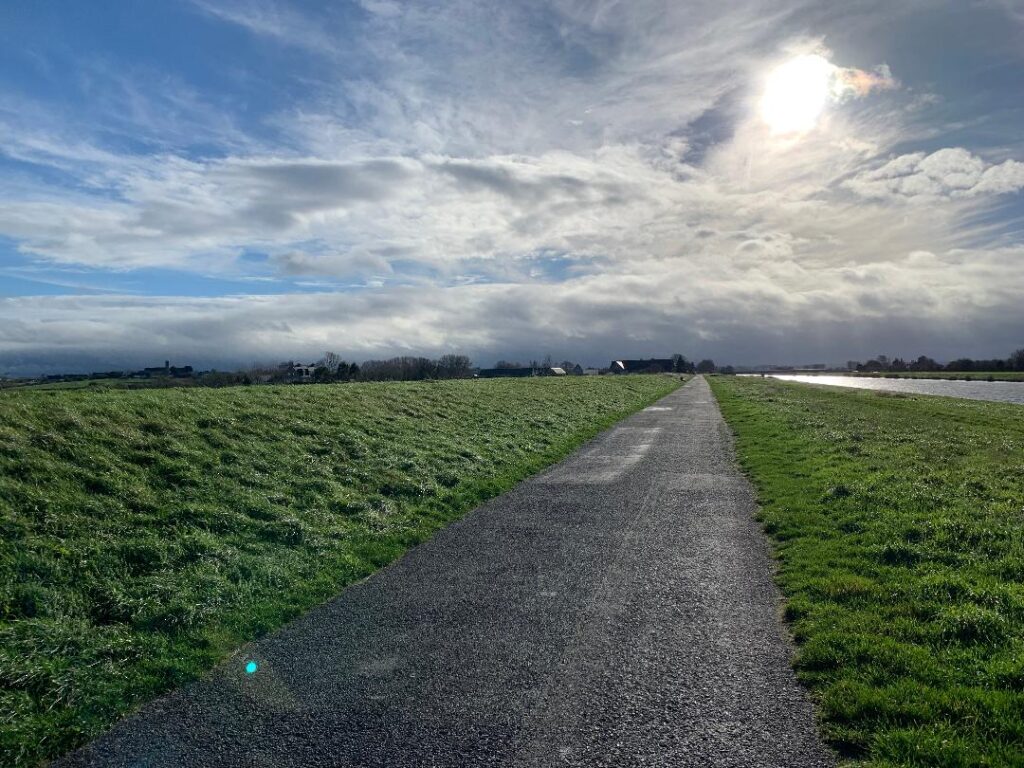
<point x="616" y="610"/>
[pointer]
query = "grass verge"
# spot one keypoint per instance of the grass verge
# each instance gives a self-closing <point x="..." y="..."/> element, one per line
<point x="146" y="534"/>
<point x="899" y="526"/>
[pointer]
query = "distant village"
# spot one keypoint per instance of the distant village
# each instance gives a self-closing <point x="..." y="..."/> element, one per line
<point x="332" y="368"/>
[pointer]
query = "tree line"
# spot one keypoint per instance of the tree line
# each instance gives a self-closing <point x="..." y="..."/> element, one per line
<point x="681" y="365"/>
<point x="1015" y="362"/>
<point x="332" y="367"/>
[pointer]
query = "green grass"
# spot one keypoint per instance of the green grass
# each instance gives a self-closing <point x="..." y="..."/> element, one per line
<point x="898" y="523"/>
<point x="147" y="534"/>
<point x="95" y="384"/>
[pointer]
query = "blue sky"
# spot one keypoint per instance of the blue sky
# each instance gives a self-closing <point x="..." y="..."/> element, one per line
<point x="225" y="181"/>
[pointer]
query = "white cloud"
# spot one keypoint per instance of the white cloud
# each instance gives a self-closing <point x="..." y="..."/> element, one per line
<point x="703" y="306"/>
<point x="947" y="173"/>
<point x="566" y="173"/>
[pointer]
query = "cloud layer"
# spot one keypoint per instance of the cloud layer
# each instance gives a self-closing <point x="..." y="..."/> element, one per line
<point x="580" y="179"/>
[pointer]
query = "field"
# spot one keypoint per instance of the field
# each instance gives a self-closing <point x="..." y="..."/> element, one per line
<point x="145" y="534"/>
<point x="98" y="384"/>
<point x="898" y="523"/>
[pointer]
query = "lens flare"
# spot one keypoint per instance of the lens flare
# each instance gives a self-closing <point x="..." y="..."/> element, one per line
<point x="796" y="93"/>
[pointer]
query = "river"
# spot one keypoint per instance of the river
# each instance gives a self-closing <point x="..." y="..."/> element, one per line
<point x="997" y="391"/>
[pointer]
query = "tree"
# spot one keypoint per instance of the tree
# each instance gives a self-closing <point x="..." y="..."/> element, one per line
<point x="330" y="360"/>
<point x="346" y="371"/>
<point x="454" y="367"/>
<point x="706" y="366"/>
<point x="1016" y="360"/>
<point x="924" y="364"/>
<point x="898" y="365"/>
<point x="681" y="365"/>
<point x="960" y="364"/>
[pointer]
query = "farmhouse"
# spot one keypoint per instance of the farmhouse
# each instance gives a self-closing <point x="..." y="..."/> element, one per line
<point x="302" y="371"/>
<point x="178" y="372"/>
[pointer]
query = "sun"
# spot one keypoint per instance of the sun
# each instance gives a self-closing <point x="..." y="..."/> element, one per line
<point x="796" y="93"/>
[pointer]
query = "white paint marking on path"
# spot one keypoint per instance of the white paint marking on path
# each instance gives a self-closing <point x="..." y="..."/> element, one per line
<point x="608" y="459"/>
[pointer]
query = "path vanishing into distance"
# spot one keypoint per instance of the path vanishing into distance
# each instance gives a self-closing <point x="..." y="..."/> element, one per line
<point x="616" y="609"/>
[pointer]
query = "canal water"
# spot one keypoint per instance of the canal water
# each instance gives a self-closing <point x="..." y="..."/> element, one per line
<point x="999" y="391"/>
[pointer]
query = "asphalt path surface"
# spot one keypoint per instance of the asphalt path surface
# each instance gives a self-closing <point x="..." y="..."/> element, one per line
<point x="616" y="609"/>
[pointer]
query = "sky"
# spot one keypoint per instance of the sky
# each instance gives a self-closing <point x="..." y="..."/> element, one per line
<point x="222" y="182"/>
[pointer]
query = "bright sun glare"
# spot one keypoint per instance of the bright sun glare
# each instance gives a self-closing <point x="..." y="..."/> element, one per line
<point x="796" y="93"/>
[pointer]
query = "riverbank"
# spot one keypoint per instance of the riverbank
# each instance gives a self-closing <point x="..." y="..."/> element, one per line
<point x="899" y="528"/>
<point x="147" y="534"/>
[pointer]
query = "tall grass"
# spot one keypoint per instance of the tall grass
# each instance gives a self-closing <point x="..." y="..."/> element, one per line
<point x="145" y="534"/>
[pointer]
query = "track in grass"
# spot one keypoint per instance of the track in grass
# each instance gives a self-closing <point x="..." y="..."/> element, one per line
<point x="616" y="610"/>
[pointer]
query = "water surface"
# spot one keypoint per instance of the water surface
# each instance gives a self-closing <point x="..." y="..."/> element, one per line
<point x="998" y="391"/>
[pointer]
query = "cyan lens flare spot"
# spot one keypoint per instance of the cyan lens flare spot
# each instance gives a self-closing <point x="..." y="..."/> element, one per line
<point x="251" y="666"/>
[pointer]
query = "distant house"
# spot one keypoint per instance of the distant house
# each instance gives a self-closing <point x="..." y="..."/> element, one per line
<point x="653" y="365"/>
<point x="506" y="373"/>
<point x="301" y="372"/>
<point x="167" y="369"/>
<point x="553" y="372"/>
<point x="576" y="370"/>
<point x="591" y="372"/>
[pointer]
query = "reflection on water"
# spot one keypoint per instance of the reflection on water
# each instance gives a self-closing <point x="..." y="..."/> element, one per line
<point x="1000" y="391"/>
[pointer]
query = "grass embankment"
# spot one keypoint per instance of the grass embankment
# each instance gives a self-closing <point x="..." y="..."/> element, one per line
<point x="147" y="534"/>
<point x="899" y="526"/>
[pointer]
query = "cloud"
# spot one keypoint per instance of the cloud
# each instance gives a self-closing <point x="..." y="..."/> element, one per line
<point x="859" y="83"/>
<point x="945" y="174"/>
<point x="678" y="304"/>
<point x="353" y="264"/>
<point x="498" y="177"/>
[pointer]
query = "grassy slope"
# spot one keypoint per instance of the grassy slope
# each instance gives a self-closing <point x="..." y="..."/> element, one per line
<point x="146" y="534"/>
<point x="899" y="525"/>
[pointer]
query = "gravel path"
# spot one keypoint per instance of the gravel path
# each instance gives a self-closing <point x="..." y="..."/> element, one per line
<point x="614" y="610"/>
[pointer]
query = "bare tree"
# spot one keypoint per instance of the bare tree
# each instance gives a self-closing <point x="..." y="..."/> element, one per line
<point x="330" y="361"/>
<point x="454" y="367"/>
<point x="1016" y="360"/>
